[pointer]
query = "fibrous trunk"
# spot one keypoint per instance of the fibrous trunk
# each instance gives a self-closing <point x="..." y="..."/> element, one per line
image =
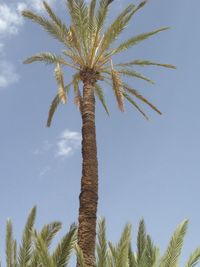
<point x="89" y="183"/>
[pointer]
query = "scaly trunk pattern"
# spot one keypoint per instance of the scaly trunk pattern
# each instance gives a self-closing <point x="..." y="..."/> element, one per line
<point x="89" y="183"/>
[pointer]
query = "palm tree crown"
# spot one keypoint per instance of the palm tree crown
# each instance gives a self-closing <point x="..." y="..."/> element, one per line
<point x="87" y="49"/>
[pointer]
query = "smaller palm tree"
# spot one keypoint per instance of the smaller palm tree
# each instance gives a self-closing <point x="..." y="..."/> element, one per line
<point x="35" y="251"/>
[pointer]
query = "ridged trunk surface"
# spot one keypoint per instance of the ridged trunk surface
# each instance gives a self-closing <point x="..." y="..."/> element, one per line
<point x="89" y="183"/>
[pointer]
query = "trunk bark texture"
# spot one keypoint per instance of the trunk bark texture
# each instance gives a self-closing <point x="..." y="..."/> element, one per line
<point x="89" y="183"/>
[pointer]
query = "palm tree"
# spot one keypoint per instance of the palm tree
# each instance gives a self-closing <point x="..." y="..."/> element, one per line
<point x="88" y="51"/>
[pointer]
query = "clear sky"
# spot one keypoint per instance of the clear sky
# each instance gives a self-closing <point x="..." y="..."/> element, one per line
<point x="146" y="169"/>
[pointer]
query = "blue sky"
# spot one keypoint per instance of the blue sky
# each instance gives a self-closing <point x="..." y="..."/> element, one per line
<point x="146" y="169"/>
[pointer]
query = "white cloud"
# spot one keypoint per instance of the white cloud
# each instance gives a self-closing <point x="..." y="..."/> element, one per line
<point x="44" y="171"/>
<point x="8" y="75"/>
<point x="10" y="20"/>
<point x="68" y="142"/>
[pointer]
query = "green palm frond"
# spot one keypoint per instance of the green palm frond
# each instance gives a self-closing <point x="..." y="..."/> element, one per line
<point x="43" y="254"/>
<point x="135" y="40"/>
<point x="194" y="258"/>
<point x="132" y="73"/>
<point x="140" y="97"/>
<point x="47" y="58"/>
<point x="26" y="245"/>
<point x="132" y="261"/>
<point x="116" y="28"/>
<point x="64" y="249"/>
<point x="118" y="89"/>
<point x="53" y="29"/>
<point x="123" y="247"/>
<point x="49" y="231"/>
<point x="173" y="251"/>
<point x="141" y="240"/>
<point x="140" y="62"/>
<point x="100" y="94"/>
<point x="54" y="105"/>
<point x="102" y="244"/>
<point x="10" y="246"/>
<point x="60" y="82"/>
<point x="54" y="17"/>
<point x="92" y="24"/>
<point x="77" y="92"/>
<point x="80" y="257"/>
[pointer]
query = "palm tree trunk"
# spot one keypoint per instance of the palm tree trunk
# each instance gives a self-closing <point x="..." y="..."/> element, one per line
<point x="89" y="183"/>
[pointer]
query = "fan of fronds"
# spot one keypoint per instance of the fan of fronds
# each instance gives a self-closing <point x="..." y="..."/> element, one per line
<point x="89" y="45"/>
<point x="35" y="250"/>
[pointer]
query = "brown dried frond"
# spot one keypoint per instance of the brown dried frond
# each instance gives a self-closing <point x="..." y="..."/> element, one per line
<point x="60" y="82"/>
<point x="118" y="89"/>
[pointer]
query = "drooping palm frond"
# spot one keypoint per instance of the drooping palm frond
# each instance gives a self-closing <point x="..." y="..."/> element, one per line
<point x="102" y="244"/>
<point x="118" y="89"/>
<point x="140" y="97"/>
<point x="99" y="93"/>
<point x="60" y="82"/>
<point x="194" y="258"/>
<point x="132" y="73"/>
<point x="173" y="251"/>
<point x="54" y="105"/>
<point x="25" y="251"/>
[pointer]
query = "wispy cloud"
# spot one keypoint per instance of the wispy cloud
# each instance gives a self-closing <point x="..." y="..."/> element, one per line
<point x="8" y="75"/>
<point x="67" y="143"/>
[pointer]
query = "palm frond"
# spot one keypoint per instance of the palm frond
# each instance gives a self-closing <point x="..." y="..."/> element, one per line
<point x="92" y="22"/>
<point x="60" y="82"/>
<point x="43" y="254"/>
<point x="47" y="58"/>
<point x="118" y="89"/>
<point x="135" y="40"/>
<point x="64" y="248"/>
<point x="26" y="245"/>
<point x="54" y="17"/>
<point x="100" y="95"/>
<point x="49" y="231"/>
<point x="194" y="258"/>
<point x="102" y="244"/>
<point x="173" y="251"/>
<point x="10" y="246"/>
<point x="54" y="105"/>
<point x="80" y="257"/>
<point x="116" y="28"/>
<point x="135" y="105"/>
<point x="132" y="261"/>
<point x="141" y="240"/>
<point x="53" y="29"/>
<point x="123" y="247"/>
<point x="140" y="62"/>
<point x="139" y="96"/>
<point x="133" y="73"/>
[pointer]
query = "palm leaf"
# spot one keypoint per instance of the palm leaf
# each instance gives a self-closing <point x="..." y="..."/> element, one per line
<point x="80" y="257"/>
<point x="10" y="245"/>
<point x="132" y="73"/>
<point x="64" y="248"/>
<point x="102" y="244"/>
<point x="173" y="251"/>
<point x="53" y="29"/>
<point x="139" y="96"/>
<point x="26" y="245"/>
<point x="100" y="95"/>
<point x="141" y="240"/>
<point x="135" y="105"/>
<point x="131" y="257"/>
<point x="54" y="105"/>
<point x="42" y="252"/>
<point x="194" y="258"/>
<point x="47" y="58"/>
<point x="49" y="231"/>
<point x="135" y="40"/>
<point x="140" y="62"/>
<point x="60" y="82"/>
<point x="118" y="89"/>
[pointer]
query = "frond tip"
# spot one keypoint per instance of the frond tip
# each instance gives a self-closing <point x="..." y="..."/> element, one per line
<point x="60" y="82"/>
